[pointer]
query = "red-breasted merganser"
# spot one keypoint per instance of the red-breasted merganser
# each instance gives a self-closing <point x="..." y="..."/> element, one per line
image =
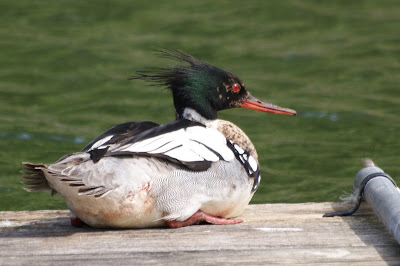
<point x="141" y="174"/>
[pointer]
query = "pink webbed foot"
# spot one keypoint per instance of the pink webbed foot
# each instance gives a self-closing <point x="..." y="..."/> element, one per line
<point x="199" y="217"/>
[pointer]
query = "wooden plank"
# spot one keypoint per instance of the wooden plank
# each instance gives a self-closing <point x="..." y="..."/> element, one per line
<point x="270" y="234"/>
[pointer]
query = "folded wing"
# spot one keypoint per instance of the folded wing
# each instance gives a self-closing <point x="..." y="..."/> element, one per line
<point x="182" y="141"/>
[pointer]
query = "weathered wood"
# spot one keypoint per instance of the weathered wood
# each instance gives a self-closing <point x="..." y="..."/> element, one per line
<point x="271" y="233"/>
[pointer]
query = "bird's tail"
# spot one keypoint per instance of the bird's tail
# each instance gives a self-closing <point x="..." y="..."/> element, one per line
<point x="35" y="178"/>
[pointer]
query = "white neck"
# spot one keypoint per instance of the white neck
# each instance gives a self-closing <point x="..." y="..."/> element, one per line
<point x="193" y="115"/>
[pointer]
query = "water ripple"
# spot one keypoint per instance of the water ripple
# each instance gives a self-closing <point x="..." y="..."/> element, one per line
<point x="331" y="116"/>
<point x="53" y="137"/>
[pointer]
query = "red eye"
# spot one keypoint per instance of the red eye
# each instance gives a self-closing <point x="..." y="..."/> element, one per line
<point x="235" y="87"/>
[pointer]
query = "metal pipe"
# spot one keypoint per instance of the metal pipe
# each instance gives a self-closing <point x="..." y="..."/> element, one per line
<point x="381" y="193"/>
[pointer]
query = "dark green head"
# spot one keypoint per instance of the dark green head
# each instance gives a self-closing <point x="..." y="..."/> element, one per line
<point x="204" y="88"/>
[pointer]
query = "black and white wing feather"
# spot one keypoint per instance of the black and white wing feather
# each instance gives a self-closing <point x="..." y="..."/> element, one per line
<point x="119" y="134"/>
<point x="249" y="163"/>
<point x="182" y="141"/>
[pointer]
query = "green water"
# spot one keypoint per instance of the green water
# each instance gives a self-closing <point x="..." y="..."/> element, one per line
<point x="64" y="68"/>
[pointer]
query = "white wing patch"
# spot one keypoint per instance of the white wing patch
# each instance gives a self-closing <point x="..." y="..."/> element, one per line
<point x="239" y="149"/>
<point x="253" y="164"/>
<point x="192" y="144"/>
<point x="100" y="142"/>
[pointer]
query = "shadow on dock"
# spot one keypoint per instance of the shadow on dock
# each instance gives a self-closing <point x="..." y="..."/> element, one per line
<point x="371" y="231"/>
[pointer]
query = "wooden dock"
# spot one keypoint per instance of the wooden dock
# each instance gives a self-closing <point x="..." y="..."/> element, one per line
<point x="270" y="234"/>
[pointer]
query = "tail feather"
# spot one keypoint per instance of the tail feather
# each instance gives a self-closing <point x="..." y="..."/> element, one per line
<point x="35" y="178"/>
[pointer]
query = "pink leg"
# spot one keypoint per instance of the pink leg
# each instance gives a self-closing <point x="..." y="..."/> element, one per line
<point x="199" y="217"/>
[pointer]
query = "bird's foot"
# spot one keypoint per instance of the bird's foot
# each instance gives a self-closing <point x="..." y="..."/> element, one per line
<point x="75" y="221"/>
<point x="199" y="217"/>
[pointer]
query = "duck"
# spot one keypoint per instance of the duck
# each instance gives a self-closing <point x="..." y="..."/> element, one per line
<point x="195" y="169"/>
